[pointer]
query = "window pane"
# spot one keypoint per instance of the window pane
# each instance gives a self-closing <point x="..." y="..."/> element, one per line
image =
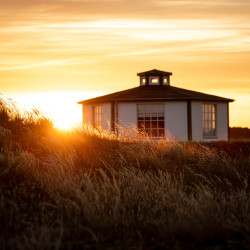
<point x="147" y="109"/>
<point x="161" y="132"/>
<point x="154" y="132"/>
<point x="154" y="124"/>
<point x="140" y="125"/>
<point x="160" y="109"/>
<point x="161" y="124"/>
<point x="147" y="124"/>
<point x="153" y="109"/>
<point x="209" y="120"/>
<point x="151" y="119"/>
<point x="97" y="116"/>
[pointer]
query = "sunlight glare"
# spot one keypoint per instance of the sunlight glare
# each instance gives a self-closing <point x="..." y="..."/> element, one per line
<point x="60" y="107"/>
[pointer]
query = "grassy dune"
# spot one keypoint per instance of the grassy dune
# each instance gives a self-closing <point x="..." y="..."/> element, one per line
<point x="89" y="190"/>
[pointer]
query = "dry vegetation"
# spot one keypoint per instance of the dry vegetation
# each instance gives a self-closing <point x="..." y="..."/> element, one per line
<point x="89" y="190"/>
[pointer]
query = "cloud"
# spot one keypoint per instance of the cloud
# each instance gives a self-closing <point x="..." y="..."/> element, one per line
<point x="44" y="64"/>
<point x="49" y="10"/>
<point x="47" y="33"/>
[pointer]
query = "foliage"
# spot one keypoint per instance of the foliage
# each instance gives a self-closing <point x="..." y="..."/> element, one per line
<point x="86" y="189"/>
<point x="239" y="132"/>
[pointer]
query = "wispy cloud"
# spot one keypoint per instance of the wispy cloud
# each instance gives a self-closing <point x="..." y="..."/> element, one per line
<point x="46" y="64"/>
<point x="46" y="34"/>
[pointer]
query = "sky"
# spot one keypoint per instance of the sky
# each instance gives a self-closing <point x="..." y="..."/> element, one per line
<point x="54" y="53"/>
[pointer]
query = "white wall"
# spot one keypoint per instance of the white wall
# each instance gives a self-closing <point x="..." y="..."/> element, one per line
<point x="196" y="121"/>
<point x="106" y="109"/>
<point x="176" y="120"/>
<point x="221" y="122"/>
<point x="127" y="117"/>
<point x="87" y="114"/>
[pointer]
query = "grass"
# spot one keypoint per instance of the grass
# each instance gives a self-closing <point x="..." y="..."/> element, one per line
<point x="86" y="189"/>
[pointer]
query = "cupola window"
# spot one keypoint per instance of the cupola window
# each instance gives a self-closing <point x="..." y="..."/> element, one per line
<point x="143" y="80"/>
<point x="165" y="80"/>
<point x="154" y="80"/>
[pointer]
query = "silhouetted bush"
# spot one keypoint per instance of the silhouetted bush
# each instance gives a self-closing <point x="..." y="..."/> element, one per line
<point x="239" y="133"/>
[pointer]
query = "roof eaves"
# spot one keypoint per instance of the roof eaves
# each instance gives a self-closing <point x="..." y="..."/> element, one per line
<point x="156" y="99"/>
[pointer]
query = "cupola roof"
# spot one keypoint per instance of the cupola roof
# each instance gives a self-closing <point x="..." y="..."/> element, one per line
<point x="154" y="72"/>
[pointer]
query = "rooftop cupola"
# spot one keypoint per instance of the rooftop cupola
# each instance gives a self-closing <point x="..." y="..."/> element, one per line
<point x="154" y="77"/>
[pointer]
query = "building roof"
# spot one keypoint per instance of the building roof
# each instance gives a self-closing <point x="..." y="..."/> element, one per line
<point x="154" y="72"/>
<point x="155" y="93"/>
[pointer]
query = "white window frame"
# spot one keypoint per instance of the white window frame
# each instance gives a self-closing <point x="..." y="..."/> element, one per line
<point x="209" y="120"/>
<point x="97" y="115"/>
<point x="151" y="119"/>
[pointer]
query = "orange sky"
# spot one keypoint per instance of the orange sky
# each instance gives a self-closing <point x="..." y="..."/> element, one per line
<point x="54" y="49"/>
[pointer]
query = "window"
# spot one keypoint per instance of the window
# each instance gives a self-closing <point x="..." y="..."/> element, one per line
<point x="97" y="116"/>
<point x="209" y="120"/>
<point x="165" y="80"/>
<point x="154" y="80"/>
<point x="150" y="118"/>
<point x="143" y="80"/>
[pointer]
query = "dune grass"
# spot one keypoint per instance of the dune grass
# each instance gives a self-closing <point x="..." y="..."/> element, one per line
<point x="87" y="189"/>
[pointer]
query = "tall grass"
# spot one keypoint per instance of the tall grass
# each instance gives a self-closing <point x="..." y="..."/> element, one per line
<point x="87" y="189"/>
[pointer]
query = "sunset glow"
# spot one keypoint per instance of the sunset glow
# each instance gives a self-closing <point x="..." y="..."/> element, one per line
<point x="60" y="107"/>
<point x="55" y="53"/>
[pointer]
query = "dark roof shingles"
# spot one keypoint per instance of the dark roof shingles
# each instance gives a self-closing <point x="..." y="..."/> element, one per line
<point x="155" y="72"/>
<point x="154" y="93"/>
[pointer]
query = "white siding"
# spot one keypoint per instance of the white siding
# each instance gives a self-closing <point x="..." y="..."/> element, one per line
<point x="127" y="117"/>
<point x="196" y="121"/>
<point x="221" y="122"/>
<point x="87" y="114"/>
<point x="106" y="116"/>
<point x="176" y="120"/>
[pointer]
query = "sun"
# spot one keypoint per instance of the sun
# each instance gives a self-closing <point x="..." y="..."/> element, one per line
<point x="60" y="107"/>
<point x="65" y="124"/>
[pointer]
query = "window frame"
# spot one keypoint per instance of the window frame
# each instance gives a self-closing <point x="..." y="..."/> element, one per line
<point x="97" y="116"/>
<point x="209" y="120"/>
<point x="153" y="125"/>
<point x="143" y="80"/>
